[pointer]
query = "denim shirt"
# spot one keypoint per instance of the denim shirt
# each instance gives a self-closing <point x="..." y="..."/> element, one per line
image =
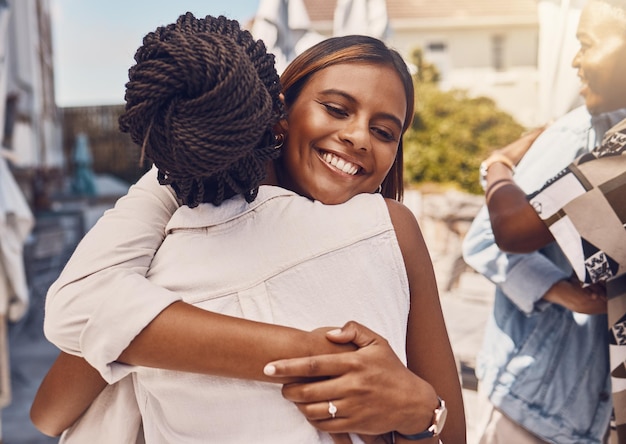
<point x="543" y="366"/>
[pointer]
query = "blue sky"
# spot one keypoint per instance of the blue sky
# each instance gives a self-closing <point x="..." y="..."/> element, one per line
<point x="94" y="41"/>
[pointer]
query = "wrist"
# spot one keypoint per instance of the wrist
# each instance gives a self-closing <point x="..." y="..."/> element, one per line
<point x="489" y="162"/>
<point x="553" y="293"/>
<point x="437" y="420"/>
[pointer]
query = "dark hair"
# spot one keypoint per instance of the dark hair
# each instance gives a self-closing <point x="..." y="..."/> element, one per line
<point x="201" y="101"/>
<point x="350" y="49"/>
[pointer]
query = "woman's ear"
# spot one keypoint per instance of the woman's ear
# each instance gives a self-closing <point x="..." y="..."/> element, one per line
<point x="281" y="127"/>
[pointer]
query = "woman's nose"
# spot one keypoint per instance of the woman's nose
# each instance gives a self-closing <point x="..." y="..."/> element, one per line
<point x="357" y="134"/>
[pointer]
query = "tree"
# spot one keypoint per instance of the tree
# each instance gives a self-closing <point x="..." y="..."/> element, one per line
<point x="452" y="133"/>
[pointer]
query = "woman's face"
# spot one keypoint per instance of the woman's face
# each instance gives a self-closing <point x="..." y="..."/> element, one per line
<point x="601" y="60"/>
<point x="343" y="132"/>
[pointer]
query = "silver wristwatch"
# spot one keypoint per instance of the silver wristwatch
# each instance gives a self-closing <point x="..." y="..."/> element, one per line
<point x="436" y="427"/>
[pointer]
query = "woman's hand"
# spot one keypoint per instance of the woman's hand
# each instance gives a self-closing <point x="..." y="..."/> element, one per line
<point x="372" y="390"/>
<point x="515" y="150"/>
<point x="571" y="295"/>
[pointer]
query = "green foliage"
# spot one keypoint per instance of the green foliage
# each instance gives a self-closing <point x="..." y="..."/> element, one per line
<point x="452" y="133"/>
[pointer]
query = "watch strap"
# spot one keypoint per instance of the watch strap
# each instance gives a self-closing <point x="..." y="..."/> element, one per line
<point x="434" y="429"/>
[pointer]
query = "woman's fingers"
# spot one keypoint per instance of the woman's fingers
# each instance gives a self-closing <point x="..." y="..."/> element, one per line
<point x="308" y="367"/>
<point x="322" y="410"/>
<point x="353" y="332"/>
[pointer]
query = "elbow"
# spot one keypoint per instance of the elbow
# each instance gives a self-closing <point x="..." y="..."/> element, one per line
<point x="44" y="424"/>
<point x="50" y="330"/>
<point x="510" y="239"/>
<point x="508" y="246"/>
<point x="504" y="242"/>
<point x="61" y="326"/>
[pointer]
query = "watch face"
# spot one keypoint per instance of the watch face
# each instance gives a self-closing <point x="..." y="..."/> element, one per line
<point x="440" y="418"/>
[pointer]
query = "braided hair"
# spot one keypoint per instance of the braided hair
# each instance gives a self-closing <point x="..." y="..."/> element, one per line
<point x="201" y="101"/>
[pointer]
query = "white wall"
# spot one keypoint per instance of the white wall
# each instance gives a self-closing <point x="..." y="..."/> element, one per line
<point x="468" y="60"/>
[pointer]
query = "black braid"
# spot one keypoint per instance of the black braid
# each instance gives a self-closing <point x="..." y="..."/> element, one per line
<point x="201" y="100"/>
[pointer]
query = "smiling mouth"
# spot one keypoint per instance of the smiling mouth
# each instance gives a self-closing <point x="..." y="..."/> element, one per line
<point x="339" y="163"/>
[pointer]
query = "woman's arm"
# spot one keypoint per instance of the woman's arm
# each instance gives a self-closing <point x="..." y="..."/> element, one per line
<point x="65" y="393"/>
<point x="429" y="353"/>
<point x="71" y="384"/>
<point x="187" y="338"/>
<point x="102" y="306"/>
<point x="373" y="379"/>
<point x="516" y="226"/>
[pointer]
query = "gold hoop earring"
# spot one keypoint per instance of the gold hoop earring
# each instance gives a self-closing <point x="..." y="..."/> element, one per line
<point x="279" y="140"/>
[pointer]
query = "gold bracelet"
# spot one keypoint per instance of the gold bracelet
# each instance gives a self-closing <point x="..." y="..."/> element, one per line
<point x="486" y="164"/>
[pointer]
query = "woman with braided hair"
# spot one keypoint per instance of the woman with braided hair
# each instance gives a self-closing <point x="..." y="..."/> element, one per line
<point x="214" y="293"/>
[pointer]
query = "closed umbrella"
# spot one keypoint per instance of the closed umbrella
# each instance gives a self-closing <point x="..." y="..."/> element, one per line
<point x="365" y="17"/>
<point x="558" y="82"/>
<point x="285" y="28"/>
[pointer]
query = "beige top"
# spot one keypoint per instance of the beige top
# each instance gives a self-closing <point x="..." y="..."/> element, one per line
<point x="282" y="259"/>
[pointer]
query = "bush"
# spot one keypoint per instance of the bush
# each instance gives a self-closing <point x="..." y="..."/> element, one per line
<point x="452" y="133"/>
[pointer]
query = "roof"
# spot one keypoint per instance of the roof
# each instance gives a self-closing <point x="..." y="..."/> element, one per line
<point x="323" y="10"/>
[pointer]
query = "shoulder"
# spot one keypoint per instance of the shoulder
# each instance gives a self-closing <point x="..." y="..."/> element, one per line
<point x="405" y="225"/>
<point x="399" y="213"/>
<point x="578" y="118"/>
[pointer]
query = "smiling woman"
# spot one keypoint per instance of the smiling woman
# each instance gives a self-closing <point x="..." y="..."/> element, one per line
<point x="343" y="142"/>
<point x="358" y="112"/>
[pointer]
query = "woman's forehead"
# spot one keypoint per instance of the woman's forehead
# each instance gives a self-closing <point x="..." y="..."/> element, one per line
<point x="351" y="74"/>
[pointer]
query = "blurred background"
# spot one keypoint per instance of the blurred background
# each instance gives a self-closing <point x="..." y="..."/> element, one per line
<point x="485" y="72"/>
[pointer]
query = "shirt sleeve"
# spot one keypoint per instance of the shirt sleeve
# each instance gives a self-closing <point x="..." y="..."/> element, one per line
<point x="525" y="278"/>
<point x="102" y="298"/>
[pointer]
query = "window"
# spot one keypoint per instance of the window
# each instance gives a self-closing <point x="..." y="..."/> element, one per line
<point x="497" y="48"/>
<point x="436" y="47"/>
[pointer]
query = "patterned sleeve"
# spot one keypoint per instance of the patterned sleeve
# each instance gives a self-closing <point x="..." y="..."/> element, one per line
<point x="585" y="208"/>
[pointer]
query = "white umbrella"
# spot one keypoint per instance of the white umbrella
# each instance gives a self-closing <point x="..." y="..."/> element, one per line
<point x="366" y="17"/>
<point x="558" y="83"/>
<point x="285" y="28"/>
<point x="16" y="223"/>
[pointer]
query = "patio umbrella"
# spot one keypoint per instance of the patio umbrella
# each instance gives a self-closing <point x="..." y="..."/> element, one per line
<point x="366" y="17"/>
<point x="558" y="82"/>
<point x="16" y="222"/>
<point x="285" y="28"/>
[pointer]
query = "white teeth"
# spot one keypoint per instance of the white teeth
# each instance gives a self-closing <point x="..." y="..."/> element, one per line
<point x="340" y="164"/>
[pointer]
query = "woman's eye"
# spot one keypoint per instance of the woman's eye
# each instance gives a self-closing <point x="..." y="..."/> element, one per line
<point x="384" y="134"/>
<point x="334" y="110"/>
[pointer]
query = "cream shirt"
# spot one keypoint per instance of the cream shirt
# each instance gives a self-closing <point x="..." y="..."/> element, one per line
<point x="102" y="300"/>
<point x="282" y="259"/>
